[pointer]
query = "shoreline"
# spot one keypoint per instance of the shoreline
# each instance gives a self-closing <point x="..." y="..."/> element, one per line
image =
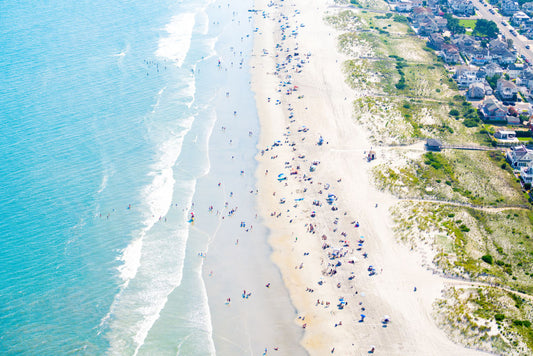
<point x="236" y="266"/>
<point x="326" y="110"/>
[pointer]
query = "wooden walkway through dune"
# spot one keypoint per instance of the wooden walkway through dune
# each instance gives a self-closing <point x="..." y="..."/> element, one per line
<point x="487" y="208"/>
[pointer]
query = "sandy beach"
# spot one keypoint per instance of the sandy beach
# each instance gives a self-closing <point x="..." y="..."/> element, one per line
<point x="356" y="290"/>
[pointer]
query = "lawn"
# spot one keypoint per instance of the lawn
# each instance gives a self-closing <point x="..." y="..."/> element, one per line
<point x="468" y="24"/>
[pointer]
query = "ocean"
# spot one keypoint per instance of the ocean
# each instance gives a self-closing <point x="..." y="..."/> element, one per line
<point x="106" y="113"/>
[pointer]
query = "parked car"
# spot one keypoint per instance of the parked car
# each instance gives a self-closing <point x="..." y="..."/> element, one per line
<point x="504" y="23"/>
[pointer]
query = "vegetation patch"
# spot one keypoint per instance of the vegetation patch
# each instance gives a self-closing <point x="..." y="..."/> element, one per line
<point x="487" y="245"/>
<point x="466" y="206"/>
<point x="453" y="175"/>
<point x="487" y="318"/>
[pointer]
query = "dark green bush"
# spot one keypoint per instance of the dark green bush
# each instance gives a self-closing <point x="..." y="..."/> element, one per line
<point x="454" y="112"/>
<point x="488" y="259"/>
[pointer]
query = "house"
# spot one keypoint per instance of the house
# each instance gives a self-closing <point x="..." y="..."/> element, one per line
<point x="488" y="88"/>
<point x="450" y="54"/>
<point x="528" y="7"/>
<point x="492" y="69"/>
<point x="506" y="136"/>
<point x="526" y="174"/>
<point x="464" y="43"/>
<point x="433" y="145"/>
<point x="502" y="56"/>
<point x="441" y="22"/>
<point x="497" y="44"/>
<point x="462" y="7"/>
<point x="436" y="41"/>
<point x="421" y="14"/>
<point x="433" y="5"/>
<point x="519" y="156"/>
<point x="404" y="6"/>
<point x="526" y="79"/>
<point x="519" y="18"/>
<point x="513" y="120"/>
<point x="509" y="7"/>
<point x="500" y="53"/>
<point x="466" y="75"/>
<point x="506" y="90"/>
<point x="428" y="27"/>
<point x="527" y="26"/>
<point x="492" y="110"/>
<point x="514" y="70"/>
<point x="476" y="91"/>
<point x="479" y="56"/>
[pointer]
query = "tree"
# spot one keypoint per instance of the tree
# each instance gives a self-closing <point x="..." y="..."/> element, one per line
<point x="486" y="28"/>
<point x="493" y="80"/>
<point x="453" y="25"/>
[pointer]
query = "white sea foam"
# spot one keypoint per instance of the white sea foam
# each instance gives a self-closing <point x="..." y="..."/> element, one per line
<point x="176" y="45"/>
<point x="123" y="52"/>
<point x="202" y="22"/>
<point x="209" y="131"/>
<point x="190" y="90"/>
<point x="158" y="101"/>
<point x="152" y="263"/>
<point x="158" y="197"/>
<point x="131" y="258"/>
<point x="103" y="184"/>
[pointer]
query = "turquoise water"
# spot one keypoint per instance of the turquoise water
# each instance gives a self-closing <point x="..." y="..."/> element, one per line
<point x="98" y="103"/>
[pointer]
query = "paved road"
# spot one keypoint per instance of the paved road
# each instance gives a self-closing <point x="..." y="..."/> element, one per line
<point x="519" y="41"/>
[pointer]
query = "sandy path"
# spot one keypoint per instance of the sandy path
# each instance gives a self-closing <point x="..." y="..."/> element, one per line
<point x="302" y="256"/>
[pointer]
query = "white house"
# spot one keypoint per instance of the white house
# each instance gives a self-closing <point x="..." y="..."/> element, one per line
<point x="404" y="6"/>
<point x="519" y="156"/>
<point x="519" y="18"/>
<point x="526" y="173"/>
<point x="506" y="136"/>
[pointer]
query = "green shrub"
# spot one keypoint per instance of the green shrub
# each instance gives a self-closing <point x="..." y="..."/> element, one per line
<point x="454" y="112"/>
<point x="488" y="259"/>
<point x="464" y="228"/>
<point x="470" y="123"/>
<point x="499" y="317"/>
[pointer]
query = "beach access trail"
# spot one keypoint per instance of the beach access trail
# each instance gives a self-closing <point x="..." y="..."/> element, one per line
<point x="352" y="284"/>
